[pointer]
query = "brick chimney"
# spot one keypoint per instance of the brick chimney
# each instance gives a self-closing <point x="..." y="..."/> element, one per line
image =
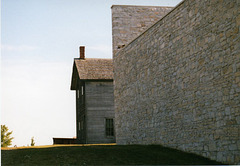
<point x="82" y="52"/>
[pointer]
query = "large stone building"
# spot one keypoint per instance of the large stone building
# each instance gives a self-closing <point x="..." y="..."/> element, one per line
<point x="177" y="83"/>
<point x="130" y="21"/>
<point x="92" y="79"/>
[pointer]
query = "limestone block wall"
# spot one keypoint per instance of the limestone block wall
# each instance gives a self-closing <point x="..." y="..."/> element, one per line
<point x="130" y="21"/>
<point x="178" y="83"/>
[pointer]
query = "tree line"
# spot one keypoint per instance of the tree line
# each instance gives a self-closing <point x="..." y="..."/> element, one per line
<point x="6" y="139"/>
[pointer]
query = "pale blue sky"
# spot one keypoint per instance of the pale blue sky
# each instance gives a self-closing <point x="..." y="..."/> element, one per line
<point x="39" y="39"/>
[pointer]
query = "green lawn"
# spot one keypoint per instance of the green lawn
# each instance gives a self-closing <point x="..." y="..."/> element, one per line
<point x="101" y="155"/>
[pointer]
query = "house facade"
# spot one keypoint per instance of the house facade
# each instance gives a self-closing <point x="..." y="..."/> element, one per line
<point x="92" y="79"/>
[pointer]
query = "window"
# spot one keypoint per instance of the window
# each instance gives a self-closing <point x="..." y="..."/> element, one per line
<point x="109" y="127"/>
<point x="81" y="125"/>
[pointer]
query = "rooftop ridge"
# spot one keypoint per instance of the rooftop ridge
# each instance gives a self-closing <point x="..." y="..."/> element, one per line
<point x="143" y="6"/>
<point x="93" y="59"/>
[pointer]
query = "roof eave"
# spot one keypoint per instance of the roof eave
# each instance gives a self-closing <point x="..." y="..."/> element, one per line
<point x="74" y="78"/>
<point x="107" y="80"/>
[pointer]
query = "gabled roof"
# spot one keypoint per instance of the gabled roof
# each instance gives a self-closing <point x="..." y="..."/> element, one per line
<point x="91" y="69"/>
<point x="94" y="68"/>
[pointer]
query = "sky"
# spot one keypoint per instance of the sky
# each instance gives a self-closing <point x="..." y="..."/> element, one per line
<point x="39" y="40"/>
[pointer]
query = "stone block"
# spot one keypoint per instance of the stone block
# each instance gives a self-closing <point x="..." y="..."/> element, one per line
<point x="233" y="147"/>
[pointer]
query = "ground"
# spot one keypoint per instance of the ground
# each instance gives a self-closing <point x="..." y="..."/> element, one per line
<point x="100" y="155"/>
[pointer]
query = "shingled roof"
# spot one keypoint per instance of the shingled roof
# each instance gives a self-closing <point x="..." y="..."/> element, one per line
<point x="91" y="69"/>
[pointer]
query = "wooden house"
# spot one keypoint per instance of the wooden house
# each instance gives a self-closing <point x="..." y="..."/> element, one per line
<point x="92" y="79"/>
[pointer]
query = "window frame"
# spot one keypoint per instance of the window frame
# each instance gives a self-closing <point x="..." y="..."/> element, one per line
<point x="109" y="127"/>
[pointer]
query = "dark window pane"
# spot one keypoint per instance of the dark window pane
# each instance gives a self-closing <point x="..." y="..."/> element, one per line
<point x="109" y="127"/>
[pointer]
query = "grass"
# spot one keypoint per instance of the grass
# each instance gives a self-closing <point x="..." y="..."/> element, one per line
<point x="101" y="155"/>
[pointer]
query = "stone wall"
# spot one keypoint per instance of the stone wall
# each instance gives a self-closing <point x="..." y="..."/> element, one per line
<point x="130" y="21"/>
<point x="178" y="83"/>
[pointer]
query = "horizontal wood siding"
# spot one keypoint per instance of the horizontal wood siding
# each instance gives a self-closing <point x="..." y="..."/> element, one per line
<point x="80" y="114"/>
<point x="99" y="106"/>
